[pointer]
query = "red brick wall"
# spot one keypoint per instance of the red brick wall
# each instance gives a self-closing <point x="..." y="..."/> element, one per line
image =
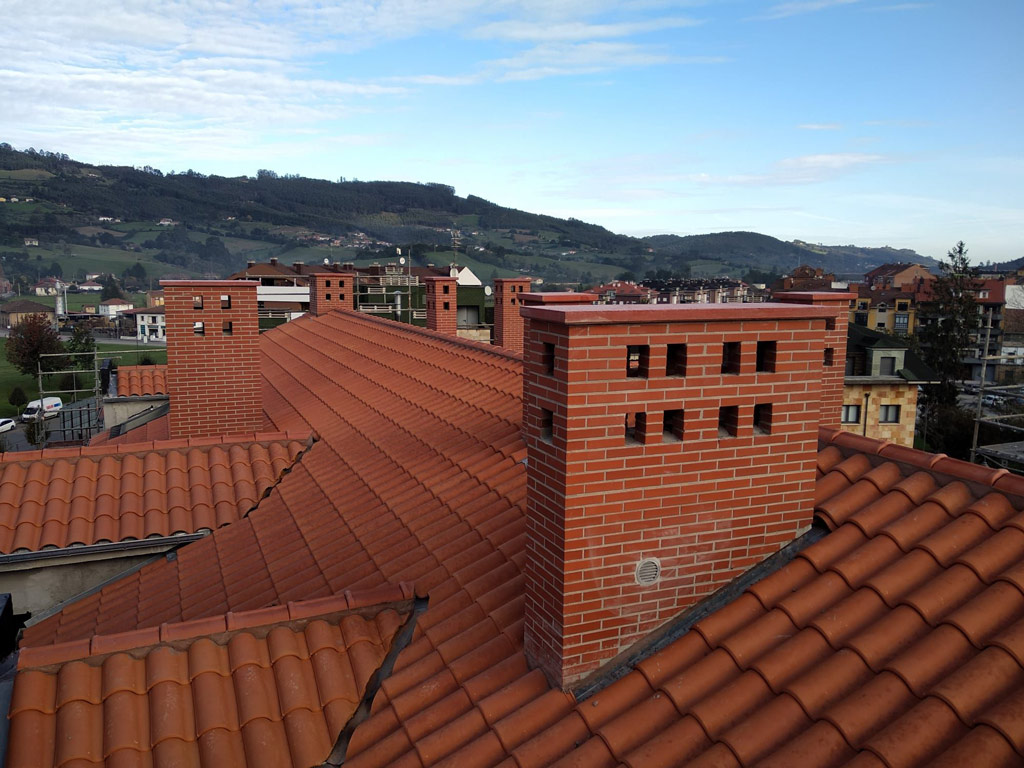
<point x="508" y="323"/>
<point x="213" y="379"/>
<point x="834" y="371"/>
<point x="331" y="290"/>
<point x="442" y="306"/>
<point x="606" y="487"/>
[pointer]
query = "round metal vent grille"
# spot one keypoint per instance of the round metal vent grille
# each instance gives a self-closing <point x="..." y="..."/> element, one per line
<point x="648" y="571"/>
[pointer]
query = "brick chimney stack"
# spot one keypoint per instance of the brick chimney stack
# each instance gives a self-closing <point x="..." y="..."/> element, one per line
<point x="213" y="372"/>
<point x="331" y="290"/>
<point x="508" y="323"/>
<point x="442" y="306"/>
<point x="670" y="449"/>
<point x="834" y="371"/>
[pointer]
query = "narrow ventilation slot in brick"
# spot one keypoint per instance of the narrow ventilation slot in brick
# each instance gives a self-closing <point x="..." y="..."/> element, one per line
<point x="638" y="358"/>
<point x="728" y="420"/>
<point x="548" y="359"/>
<point x="763" y="419"/>
<point x="673" y="426"/>
<point x="766" y="351"/>
<point x="547" y="421"/>
<point x="731" y="357"/>
<point x="675" y="361"/>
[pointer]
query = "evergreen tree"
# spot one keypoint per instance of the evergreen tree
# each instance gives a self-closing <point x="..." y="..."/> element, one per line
<point x="29" y="340"/>
<point x="17" y="398"/>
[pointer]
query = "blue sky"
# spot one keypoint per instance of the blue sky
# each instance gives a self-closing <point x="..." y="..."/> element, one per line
<point x="875" y="122"/>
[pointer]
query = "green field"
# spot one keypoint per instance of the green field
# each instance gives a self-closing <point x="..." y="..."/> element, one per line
<point x="78" y="300"/>
<point x="26" y="174"/>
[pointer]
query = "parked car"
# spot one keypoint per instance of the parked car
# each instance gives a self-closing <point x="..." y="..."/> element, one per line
<point x="6" y="425"/>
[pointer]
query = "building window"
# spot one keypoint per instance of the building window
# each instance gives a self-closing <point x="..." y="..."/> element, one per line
<point x="862" y="305"/>
<point x="902" y="306"/>
<point x="889" y="414"/>
<point x="851" y="414"/>
<point x="902" y="322"/>
<point x="199" y="328"/>
<point x="861" y="318"/>
<point x="880" y="324"/>
<point x="882" y="307"/>
<point x="225" y="301"/>
<point x="887" y="366"/>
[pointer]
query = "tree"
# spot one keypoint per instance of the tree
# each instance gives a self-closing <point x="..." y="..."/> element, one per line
<point x="951" y="316"/>
<point x="81" y="341"/>
<point x="111" y="290"/>
<point x="17" y="398"/>
<point x="56" y="270"/>
<point x="29" y="340"/>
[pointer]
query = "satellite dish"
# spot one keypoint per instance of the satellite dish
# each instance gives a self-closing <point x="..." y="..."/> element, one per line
<point x="487" y="290"/>
<point x="402" y="261"/>
<point x="453" y="272"/>
<point x="326" y="262"/>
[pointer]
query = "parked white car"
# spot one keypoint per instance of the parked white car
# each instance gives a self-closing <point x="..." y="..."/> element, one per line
<point x="6" y="425"/>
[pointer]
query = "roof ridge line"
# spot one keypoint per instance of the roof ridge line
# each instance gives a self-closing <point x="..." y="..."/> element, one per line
<point x="170" y="444"/>
<point x="99" y="647"/>
<point x="431" y="334"/>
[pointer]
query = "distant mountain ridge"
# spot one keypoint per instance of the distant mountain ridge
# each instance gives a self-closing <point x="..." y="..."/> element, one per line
<point x="75" y="194"/>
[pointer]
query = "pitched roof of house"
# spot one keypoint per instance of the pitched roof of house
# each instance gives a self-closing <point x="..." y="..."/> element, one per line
<point x="64" y="497"/>
<point x="914" y="368"/>
<point x="115" y="302"/>
<point x="272" y="687"/>
<point x="137" y="380"/>
<point x="25" y="306"/>
<point x="895" y="639"/>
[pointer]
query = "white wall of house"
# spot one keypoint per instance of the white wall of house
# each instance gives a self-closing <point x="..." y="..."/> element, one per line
<point x="151" y="326"/>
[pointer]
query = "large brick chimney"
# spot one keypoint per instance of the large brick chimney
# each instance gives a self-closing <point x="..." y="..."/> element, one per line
<point x="213" y="372"/>
<point x="670" y="448"/>
<point x="834" y="355"/>
<point x="508" y="323"/>
<point x="442" y="304"/>
<point x="331" y="290"/>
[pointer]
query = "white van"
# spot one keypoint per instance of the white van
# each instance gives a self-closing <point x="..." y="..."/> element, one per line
<point x="50" y="407"/>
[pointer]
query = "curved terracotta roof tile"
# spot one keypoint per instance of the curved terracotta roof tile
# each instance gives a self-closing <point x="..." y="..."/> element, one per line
<point x="135" y="380"/>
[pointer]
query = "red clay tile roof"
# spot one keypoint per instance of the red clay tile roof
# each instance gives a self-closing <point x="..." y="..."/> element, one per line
<point x="272" y="687"/>
<point x="155" y="430"/>
<point x="70" y="496"/>
<point x="135" y="380"/>
<point x="895" y="638"/>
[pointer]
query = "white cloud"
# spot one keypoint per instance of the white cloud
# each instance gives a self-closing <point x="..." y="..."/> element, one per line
<point x="800" y="7"/>
<point x="575" y="31"/>
<point x="820" y="126"/>
<point x="806" y="169"/>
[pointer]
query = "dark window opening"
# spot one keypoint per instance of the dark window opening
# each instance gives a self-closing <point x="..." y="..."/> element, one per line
<point x="766" y="351"/>
<point x="731" y="357"/>
<point x="327" y="296"/>
<point x="830" y="323"/>
<point x="447" y="306"/>
<point x="327" y="283"/>
<point x="548" y="359"/>
<point x="341" y="297"/>
<point x="673" y="426"/>
<point x="227" y="328"/>
<point x="341" y="283"/>
<point x="675" y="362"/>
<point x="225" y="301"/>
<point x="763" y="419"/>
<point x="197" y="302"/>
<point x="728" y="420"/>
<point x="830" y="357"/>
<point x="444" y="289"/>
<point x="638" y="358"/>
<point x="199" y="328"/>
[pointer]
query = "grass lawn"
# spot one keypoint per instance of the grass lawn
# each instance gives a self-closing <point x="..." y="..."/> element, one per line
<point x="78" y="300"/>
<point x="121" y="353"/>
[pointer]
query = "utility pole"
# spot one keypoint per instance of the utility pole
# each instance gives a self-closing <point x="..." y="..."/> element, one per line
<point x="981" y="388"/>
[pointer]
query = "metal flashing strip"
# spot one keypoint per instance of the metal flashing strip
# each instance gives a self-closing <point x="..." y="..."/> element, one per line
<point x="18" y="558"/>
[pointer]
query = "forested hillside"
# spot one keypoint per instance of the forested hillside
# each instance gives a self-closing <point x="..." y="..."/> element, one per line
<point x="98" y="214"/>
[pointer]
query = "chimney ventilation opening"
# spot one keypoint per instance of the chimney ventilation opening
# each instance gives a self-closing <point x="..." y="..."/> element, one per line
<point x="648" y="571"/>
